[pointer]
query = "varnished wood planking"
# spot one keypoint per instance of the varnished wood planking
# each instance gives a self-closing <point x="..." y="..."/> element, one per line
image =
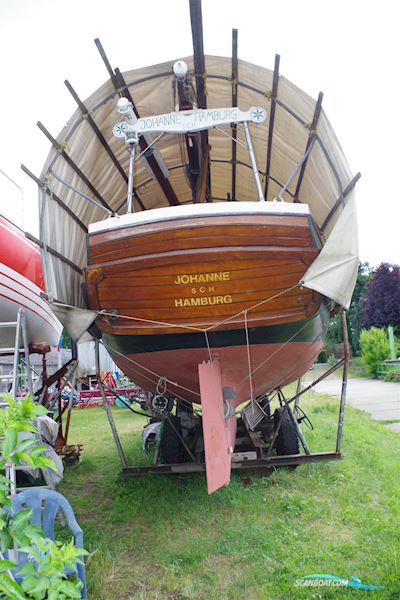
<point x="249" y="271"/>
<point x="142" y="292"/>
<point x="111" y="249"/>
<point x="135" y="269"/>
<point x="243" y="300"/>
<point x="150" y="246"/>
<point x="200" y="224"/>
<point x="210" y="255"/>
<point x="138" y="327"/>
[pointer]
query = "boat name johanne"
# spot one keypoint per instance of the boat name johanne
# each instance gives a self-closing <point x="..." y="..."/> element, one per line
<point x="203" y="301"/>
<point x="190" y="119"/>
<point x="202" y="277"/>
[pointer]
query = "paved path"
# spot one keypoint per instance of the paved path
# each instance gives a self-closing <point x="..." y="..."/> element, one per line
<point x="381" y="399"/>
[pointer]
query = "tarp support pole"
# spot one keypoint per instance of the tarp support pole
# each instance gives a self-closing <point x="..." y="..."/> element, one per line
<point x="235" y="75"/>
<point x="101" y="138"/>
<point x="82" y="194"/>
<point x="151" y="159"/>
<point x="271" y="123"/>
<point x="332" y="166"/>
<point x="71" y="163"/>
<point x="54" y="197"/>
<point x="47" y="249"/>
<point x="298" y="166"/>
<point x="350" y="186"/>
<point x="313" y="128"/>
<point x="196" y="21"/>
<point x="122" y="89"/>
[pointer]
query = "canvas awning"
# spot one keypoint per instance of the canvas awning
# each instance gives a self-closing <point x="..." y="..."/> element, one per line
<point x="98" y="166"/>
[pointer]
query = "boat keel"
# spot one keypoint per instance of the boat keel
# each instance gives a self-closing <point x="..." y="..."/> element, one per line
<point x="218" y="432"/>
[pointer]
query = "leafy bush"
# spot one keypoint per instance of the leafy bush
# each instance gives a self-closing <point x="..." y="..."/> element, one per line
<point x="375" y="349"/>
<point x="392" y="373"/>
<point x="44" y="578"/>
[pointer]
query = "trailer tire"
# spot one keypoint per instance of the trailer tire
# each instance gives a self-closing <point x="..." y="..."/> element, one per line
<point x="287" y="441"/>
<point x="170" y="444"/>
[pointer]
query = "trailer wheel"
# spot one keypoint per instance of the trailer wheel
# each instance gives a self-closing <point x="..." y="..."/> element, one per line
<point x="287" y="441"/>
<point x="161" y="405"/>
<point x="170" y="444"/>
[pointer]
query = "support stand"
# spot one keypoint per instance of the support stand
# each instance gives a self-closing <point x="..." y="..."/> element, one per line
<point x="217" y="433"/>
<point x="108" y="409"/>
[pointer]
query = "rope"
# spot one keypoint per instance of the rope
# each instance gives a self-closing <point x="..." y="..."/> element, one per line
<point x="315" y="340"/>
<point x="244" y="312"/>
<point x="174" y="383"/>
<point x="275" y="353"/>
<point x="208" y="345"/>
<point x="251" y="307"/>
<point x="252" y="399"/>
<point x="118" y="316"/>
<point x="199" y="329"/>
<point x="161" y="387"/>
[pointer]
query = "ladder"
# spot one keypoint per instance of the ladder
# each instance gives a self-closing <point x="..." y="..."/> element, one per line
<point x="20" y="335"/>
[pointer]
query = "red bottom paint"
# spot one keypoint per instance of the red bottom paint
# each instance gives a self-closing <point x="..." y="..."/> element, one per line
<point x="272" y="365"/>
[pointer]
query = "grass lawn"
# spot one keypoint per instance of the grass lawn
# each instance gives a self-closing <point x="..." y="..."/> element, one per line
<point x="159" y="537"/>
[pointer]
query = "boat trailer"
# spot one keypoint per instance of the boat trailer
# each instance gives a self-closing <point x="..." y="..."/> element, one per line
<point x="249" y="452"/>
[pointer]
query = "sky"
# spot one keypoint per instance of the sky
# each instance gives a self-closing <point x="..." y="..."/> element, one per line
<point x="348" y="49"/>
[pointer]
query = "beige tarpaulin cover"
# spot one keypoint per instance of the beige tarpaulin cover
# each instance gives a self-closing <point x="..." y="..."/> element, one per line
<point x="326" y="176"/>
<point x="334" y="272"/>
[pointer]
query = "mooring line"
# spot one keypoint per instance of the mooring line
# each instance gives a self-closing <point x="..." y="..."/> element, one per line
<point x="198" y="329"/>
<point x="174" y="383"/>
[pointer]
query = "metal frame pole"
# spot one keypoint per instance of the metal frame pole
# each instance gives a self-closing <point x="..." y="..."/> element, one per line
<point x="253" y="162"/>
<point x="107" y="407"/>
<point x="43" y="237"/>
<point x="70" y="402"/>
<point x="26" y="348"/>
<point x="346" y="358"/>
<point x="131" y="176"/>
<point x="16" y="355"/>
<point x="298" y="390"/>
<point x="299" y="433"/>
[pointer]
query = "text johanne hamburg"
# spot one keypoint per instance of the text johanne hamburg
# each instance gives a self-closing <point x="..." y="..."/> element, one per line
<point x="202" y="277"/>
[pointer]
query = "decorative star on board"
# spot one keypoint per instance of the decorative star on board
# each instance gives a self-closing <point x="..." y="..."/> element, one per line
<point x="119" y="130"/>
<point x="258" y="114"/>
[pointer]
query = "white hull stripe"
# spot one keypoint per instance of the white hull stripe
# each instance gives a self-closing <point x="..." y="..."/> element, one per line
<point x="39" y="328"/>
<point x="17" y="292"/>
<point x="24" y="281"/>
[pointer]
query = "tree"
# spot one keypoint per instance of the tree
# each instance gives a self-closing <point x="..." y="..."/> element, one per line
<point x="374" y="348"/>
<point x="381" y="306"/>
<point x="354" y="314"/>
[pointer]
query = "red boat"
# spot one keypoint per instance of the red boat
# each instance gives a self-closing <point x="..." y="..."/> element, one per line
<point x="21" y="283"/>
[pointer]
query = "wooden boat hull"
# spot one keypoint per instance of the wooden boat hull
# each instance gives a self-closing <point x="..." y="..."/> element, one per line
<point x="181" y="290"/>
<point x="278" y="355"/>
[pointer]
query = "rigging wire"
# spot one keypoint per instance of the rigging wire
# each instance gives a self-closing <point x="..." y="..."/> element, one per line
<point x="199" y="329"/>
